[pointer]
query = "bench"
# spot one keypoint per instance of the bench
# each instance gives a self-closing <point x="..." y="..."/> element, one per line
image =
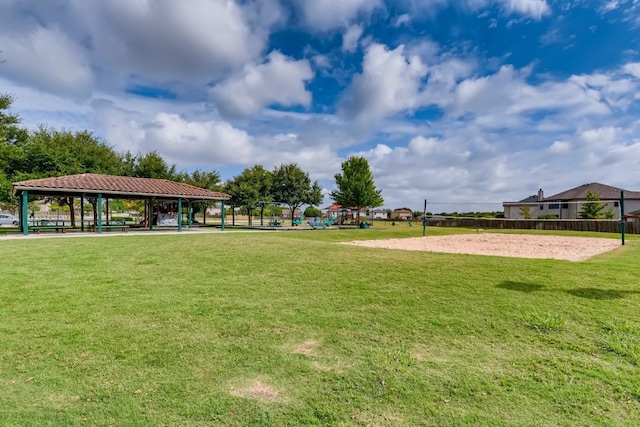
<point x="113" y="225"/>
<point x="275" y="224"/>
<point x="57" y="228"/>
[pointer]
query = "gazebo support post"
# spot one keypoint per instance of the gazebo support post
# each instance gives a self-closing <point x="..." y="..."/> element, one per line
<point x="25" y="212"/>
<point x="99" y="213"/>
<point x="179" y="214"/>
<point x="82" y="212"/>
<point x="189" y="213"/>
<point x="222" y="214"/>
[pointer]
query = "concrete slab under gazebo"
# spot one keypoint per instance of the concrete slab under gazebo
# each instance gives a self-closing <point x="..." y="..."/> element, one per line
<point x="104" y="187"/>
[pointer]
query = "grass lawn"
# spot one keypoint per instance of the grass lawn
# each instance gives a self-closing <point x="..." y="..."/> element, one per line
<point x="288" y="328"/>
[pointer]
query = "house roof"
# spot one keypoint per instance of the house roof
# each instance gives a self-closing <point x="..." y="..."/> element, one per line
<point x="332" y="207"/>
<point x="606" y="192"/>
<point x="110" y="185"/>
<point x="336" y="206"/>
<point x="530" y="199"/>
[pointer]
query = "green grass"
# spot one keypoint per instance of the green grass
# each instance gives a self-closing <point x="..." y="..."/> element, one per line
<point x="288" y="328"/>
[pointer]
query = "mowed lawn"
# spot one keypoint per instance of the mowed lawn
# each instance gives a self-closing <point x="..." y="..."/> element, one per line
<point x="292" y="329"/>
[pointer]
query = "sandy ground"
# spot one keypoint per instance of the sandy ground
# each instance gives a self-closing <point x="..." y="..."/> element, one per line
<point x="507" y="245"/>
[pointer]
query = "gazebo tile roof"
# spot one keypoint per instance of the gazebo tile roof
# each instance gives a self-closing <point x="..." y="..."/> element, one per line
<point x="95" y="183"/>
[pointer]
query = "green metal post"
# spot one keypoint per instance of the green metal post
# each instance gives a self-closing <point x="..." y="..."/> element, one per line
<point x="190" y="214"/>
<point x="99" y="213"/>
<point x="25" y="212"/>
<point x="424" y="219"/>
<point x="179" y="214"/>
<point x="622" y="220"/>
<point x="222" y="214"/>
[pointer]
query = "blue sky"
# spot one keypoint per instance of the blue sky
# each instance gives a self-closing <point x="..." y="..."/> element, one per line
<point x="463" y="102"/>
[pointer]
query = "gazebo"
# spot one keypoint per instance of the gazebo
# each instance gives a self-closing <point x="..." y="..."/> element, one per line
<point x="101" y="187"/>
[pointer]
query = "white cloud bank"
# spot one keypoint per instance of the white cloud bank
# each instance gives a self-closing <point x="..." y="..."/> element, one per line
<point x="280" y="80"/>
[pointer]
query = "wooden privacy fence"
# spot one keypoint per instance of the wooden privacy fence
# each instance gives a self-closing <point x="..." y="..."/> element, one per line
<point x="603" y="226"/>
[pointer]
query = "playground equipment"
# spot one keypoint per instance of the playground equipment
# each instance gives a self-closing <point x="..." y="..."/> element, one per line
<point x="322" y="224"/>
<point x="298" y="221"/>
<point x="274" y="221"/>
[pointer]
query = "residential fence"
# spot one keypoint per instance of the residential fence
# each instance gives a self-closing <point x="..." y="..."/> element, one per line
<point x="603" y="226"/>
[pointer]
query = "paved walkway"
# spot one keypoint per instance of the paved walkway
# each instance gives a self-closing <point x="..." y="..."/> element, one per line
<point x="154" y="232"/>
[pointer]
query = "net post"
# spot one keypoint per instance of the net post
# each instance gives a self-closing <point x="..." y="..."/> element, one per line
<point x="622" y="218"/>
<point x="424" y="219"/>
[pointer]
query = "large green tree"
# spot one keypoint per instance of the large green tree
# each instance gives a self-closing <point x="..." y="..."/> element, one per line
<point x="250" y="189"/>
<point x="50" y="152"/>
<point x="149" y="165"/>
<point x="12" y="136"/>
<point x="293" y="187"/>
<point x="355" y="185"/>
<point x="592" y="209"/>
<point x="203" y="179"/>
<point x="10" y="131"/>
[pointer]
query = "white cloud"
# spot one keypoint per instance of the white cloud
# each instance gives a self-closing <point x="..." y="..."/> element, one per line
<point x="165" y="40"/>
<point x="49" y="60"/>
<point x="350" y="38"/>
<point x="321" y="61"/>
<point x="326" y="15"/>
<point x="212" y="142"/>
<point x="560" y="147"/>
<point x="534" y="8"/>
<point x="632" y="68"/>
<point x="280" y="80"/>
<point x="602" y="137"/>
<point x="389" y="83"/>
<point x="508" y="93"/>
<point x="404" y="19"/>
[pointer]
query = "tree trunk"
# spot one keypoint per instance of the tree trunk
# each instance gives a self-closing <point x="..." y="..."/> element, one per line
<point x="72" y="213"/>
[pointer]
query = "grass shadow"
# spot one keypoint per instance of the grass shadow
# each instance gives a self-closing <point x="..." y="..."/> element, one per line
<point x="520" y="286"/>
<point x="599" y="294"/>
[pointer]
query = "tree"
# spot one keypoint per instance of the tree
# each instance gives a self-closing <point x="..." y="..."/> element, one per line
<point x="203" y="179"/>
<point x="525" y="211"/>
<point x="50" y="152"/>
<point x="355" y="186"/>
<point x="250" y="188"/>
<point x="11" y="137"/>
<point x="592" y="209"/>
<point x="150" y="165"/>
<point x="312" y="212"/>
<point x="292" y="186"/>
<point x="10" y="132"/>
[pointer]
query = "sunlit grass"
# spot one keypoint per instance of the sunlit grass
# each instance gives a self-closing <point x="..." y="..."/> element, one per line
<point x="288" y="328"/>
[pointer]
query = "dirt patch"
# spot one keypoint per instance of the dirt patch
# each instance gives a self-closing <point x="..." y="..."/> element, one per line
<point x="506" y="245"/>
<point x="307" y="348"/>
<point x="257" y="390"/>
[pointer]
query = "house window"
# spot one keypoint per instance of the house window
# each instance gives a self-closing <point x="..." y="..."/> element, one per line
<point x="616" y="204"/>
<point x="565" y="206"/>
<point x="554" y="206"/>
<point x="541" y="207"/>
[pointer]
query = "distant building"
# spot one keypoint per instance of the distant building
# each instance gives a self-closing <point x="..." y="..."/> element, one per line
<point x="379" y="214"/>
<point x="569" y="203"/>
<point x="344" y="214"/>
<point x="401" y="214"/>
